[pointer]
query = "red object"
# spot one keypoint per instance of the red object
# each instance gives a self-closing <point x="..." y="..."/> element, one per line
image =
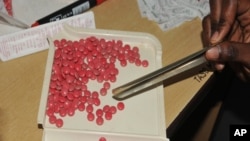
<point x="112" y="78"/>
<point x="103" y="91"/>
<point x="99" y="120"/>
<point x="138" y="62"/>
<point x="102" y="139"/>
<point x="95" y="94"/>
<point x="71" y="111"/>
<point x="120" y="106"/>
<point x="144" y="63"/>
<point x="91" y="116"/>
<point x="106" y="108"/>
<point x="35" y="24"/>
<point x="8" y="6"/>
<point x="87" y="93"/>
<point x="89" y="108"/>
<point x="52" y="119"/>
<point x="108" y="115"/>
<point x="81" y="107"/>
<point x="59" y="123"/>
<point x="97" y="101"/>
<point x="99" y="1"/>
<point x="112" y="109"/>
<point x="99" y="112"/>
<point x="106" y="85"/>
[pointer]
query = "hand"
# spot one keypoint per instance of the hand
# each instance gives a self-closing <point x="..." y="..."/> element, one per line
<point x="227" y="31"/>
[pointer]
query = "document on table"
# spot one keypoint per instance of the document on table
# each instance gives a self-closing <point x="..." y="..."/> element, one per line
<point x="34" y="39"/>
<point x="169" y="14"/>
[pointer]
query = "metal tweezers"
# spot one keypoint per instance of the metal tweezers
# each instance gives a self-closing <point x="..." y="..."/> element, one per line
<point x="187" y="66"/>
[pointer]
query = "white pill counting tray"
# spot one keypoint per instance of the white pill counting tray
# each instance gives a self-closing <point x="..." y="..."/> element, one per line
<point x="143" y="118"/>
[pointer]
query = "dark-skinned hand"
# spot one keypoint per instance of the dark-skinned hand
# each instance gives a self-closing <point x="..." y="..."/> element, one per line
<point x="227" y="31"/>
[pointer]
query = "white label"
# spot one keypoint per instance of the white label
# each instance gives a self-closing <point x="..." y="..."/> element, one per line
<point x="81" y="8"/>
<point x="35" y="39"/>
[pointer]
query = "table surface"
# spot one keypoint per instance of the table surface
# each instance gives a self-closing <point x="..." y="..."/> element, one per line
<point x="21" y="79"/>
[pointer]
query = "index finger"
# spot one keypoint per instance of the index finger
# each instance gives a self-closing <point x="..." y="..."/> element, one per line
<point x="215" y="13"/>
<point x="226" y="19"/>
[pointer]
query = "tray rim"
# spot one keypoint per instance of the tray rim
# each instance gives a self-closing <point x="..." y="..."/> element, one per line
<point x="99" y="32"/>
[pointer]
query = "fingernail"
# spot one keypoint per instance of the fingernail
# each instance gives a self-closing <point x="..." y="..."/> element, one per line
<point x="214" y="38"/>
<point x="212" y="54"/>
<point x="219" y="67"/>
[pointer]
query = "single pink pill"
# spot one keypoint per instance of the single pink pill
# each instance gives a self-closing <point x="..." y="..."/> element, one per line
<point x="144" y="63"/>
<point x="112" y="109"/>
<point x="103" y="91"/>
<point x="71" y="111"/>
<point x="90" y="116"/>
<point x="138" y="62"/>
<point x="95" y="94"/>
<point x="106" y="85"/>
<point x="89" y="108"/>
<point x="99" y="112"/>
<point x="97" y="101"/>
<point x="106" y="108"/>
<point x="81" y="107"/>
<point x="59" y="123"/>
<point x="62" y="112"/>
<point x="50" y="112"/>
<point x="102" y="139"/>
<point x="52" y="119"/>
<point x="108" y="115"/>
<point x="120" y="106"/>
<point x="99" y="120"/>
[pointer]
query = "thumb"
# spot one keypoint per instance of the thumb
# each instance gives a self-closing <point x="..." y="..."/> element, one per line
<point x="230" y="52"/>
